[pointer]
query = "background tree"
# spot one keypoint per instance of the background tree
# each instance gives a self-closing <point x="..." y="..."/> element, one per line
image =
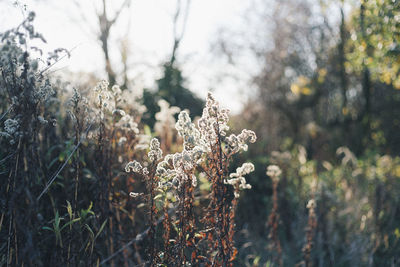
<point x="171" y="86"/>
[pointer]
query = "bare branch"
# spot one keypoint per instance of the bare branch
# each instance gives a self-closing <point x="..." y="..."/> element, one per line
<point x="179" y="36"/>
<point x="126" y="3"/>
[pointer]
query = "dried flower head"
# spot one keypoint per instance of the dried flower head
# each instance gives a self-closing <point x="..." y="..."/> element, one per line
<point x="127" y="123"/>
<point x="155" y="152"/>
<point x="213" y="121"/>
<point x="190" y="134"/>
<point x="134" y="166"/>
<point x="237" y="178"/>
<point x="11" y="126"/>
<point x="274" y="172"/>
<point x="165" y="117"/>
<point x="103" y="95"/>
<point x="311" y="204"/>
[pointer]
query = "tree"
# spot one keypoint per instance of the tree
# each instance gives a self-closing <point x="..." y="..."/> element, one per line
<point x="171" y="86"/>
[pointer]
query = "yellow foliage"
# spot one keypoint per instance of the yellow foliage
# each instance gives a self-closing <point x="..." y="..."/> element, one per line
<point x="301" y="86"/>
<point x="396" y="171"/>
<point x="302" y="80"/>
<point x="295" y="89"/>
<point x="321" y="75"/>
<point x="386" y="77"/>
<point x="396" y="83"/>
<point x="306" y="91"/>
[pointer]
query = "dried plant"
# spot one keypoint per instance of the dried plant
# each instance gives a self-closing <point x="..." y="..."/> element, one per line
<point x="311" y="226"/>
<point x="206" y="149"/>
<point x="274" y="173"/>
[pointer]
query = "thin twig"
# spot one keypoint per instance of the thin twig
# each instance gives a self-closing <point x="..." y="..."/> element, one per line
<point x="68" y="54"/>
<point x="7" y="157"/>
<point x="63" y="165"/>
<point x="5" y="113"/>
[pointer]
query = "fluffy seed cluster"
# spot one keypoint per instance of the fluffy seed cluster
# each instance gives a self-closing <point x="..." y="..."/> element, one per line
<point x="133" y="166"/>
<point x="188" y="131"/>
<point x="175" y="169"/>
<point x="237" y="143"/>
<point x="311" y="204"/>
<point x="237" y="178"/>
<point x="197" y="141"/>
<point x="11" y="127"/>
<point x="103" y="95"/>
<point x="155" y="152"/>
<point x="136" y="167"/>
<point x="214" y="121"/>
<point x="274" y="172"/>
<point x="165" y="117"/>
<point x="128" y="124"/>
<point x="165" y="170"/>
<point x="109" y="101"/>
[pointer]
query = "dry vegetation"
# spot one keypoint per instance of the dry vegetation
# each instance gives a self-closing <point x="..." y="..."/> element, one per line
<point x="89" y="179"/>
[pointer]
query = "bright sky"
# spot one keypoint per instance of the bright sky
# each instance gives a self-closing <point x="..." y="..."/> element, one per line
<point x="150" y="40"/>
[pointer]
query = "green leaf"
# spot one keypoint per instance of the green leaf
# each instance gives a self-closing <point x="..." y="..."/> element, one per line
<point x="69" y="209"/>
<point x="101" y="228"/>
<point x="90" y="231"/>
<point x="69" y="223"/>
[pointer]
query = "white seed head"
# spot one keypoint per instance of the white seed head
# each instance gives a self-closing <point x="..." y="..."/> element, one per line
<point x="134" y="166"/>
<point x="155" y="152"/>
<point x="274" y="172"/>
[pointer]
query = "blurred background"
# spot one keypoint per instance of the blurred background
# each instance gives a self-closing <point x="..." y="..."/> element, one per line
<point x="318" y="81"/>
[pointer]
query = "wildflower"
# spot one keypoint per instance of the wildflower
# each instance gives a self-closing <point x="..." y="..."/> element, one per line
<point x="196" y="154"/>
<point x="11" y="126"/>
<point x="311" y="204"/>
<point x="165" y="117"/>
<point x="238" y="143"/>
<point x="247" y="136"/>
<point x="187" y="129"/>
<point x="246" y="168"/>
<point x="101" y="86"/>
<point x="127" y="123"/>
<point x="116" y="90"/>
<point x="274" y="172"/>
<point x="155" y="152"/>
<point x="212" y="121"/>
<point x="134" y="166"/>
<point x="237" y="178"/>
<point x="103" y="95"/>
